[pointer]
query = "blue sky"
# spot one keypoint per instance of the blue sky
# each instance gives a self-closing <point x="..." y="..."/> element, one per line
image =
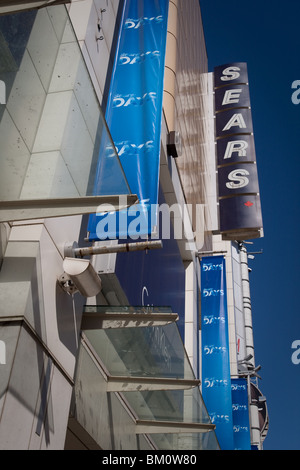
<point x="265" y="34"/>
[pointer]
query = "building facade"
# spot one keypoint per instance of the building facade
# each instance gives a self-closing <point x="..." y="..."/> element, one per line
<point x="102" y="330"/>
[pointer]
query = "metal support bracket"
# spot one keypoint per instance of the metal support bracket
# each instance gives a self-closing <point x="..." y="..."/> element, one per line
<point x="93" y="320"/>
<point x="27" y="209"/>
<point x="171" y="427"/>
<point x="139" y="384"/>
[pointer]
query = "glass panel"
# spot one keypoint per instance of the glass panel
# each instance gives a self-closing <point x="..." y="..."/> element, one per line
<point x="126" y="309"/>
<point x="184" y="406"/>
<point x="193" y="441"/>
<point x="149" y="352"/>
<point x="154" y="352"/>
<point x="52" y="130"/>
<point x="176" y="405"/>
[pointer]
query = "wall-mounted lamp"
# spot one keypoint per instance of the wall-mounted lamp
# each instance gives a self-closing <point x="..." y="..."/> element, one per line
<point x="80" y="276"/>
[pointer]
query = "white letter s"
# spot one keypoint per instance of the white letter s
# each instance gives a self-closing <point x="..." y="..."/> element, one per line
<point x="231" y="73"/>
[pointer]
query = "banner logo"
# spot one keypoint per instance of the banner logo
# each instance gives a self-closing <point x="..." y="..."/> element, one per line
<point x="132" y="59"/>
<point x="137" y="23"/>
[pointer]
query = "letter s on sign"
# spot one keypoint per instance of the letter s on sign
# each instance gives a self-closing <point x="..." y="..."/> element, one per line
<point x="238" y="179"/>
<point x="296" y="354"/>
<point x="231" y="73"/>
<point x="294" y="98"/>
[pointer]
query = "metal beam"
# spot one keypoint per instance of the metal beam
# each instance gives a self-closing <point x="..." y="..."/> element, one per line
<point x="99" y="321"/>
<point x="139" y="384"/>
<point x="27" y="209"/>
<point x="171" y="427"/>
<point x="121" y="248"/>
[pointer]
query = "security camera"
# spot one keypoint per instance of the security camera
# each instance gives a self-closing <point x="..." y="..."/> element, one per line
<point x="80" y="276"/>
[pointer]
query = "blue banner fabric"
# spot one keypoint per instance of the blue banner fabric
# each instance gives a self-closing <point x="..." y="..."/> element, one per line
<point x="133" y="116"/>
<point x="216" y="382"/>
<point x="240" y="414"/>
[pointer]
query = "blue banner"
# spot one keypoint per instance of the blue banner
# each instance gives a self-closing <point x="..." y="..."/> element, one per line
<point x="156" y="277"/>
<point x="133" y="115"/>
<point x="240" y="414"/>
<point x="216" y="382"/>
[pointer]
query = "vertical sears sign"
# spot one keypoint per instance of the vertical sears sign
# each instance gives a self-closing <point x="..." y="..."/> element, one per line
<point x="134" y="112"/>
<point x="239" y="200"/>
<point x="216" y="382"/>
<point x="240" y="414"/>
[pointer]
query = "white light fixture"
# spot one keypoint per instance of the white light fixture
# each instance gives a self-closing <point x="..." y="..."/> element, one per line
<point x="80" y="276"/>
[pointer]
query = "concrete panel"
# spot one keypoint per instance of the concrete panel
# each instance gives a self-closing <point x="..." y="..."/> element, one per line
<point x="97" y="50"/>
<point x="29" y="95"/>
<point x="21" y="397"/>
<point x="43" y="46"/>
<point x="14" y="159"/>
<point x="52" y="431"/>
<point x="21" y="292"/>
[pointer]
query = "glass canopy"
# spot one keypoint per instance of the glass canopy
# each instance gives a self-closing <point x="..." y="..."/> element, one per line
<point x="150" y="367"/>
<point x="52" y="129"/>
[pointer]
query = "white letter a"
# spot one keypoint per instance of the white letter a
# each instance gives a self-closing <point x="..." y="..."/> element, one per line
<point x="235" y="120"/>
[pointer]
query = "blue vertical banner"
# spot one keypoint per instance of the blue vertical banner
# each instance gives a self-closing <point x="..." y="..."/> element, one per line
<point x="240" y="414"/>
<point x="216" y="381"/>
<point x="133" y="116"/>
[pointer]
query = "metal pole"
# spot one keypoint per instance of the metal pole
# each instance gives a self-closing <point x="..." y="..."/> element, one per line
<point x="253" y="409"/>
<point x="126" y="247"/>
<point x="247" y="303"/>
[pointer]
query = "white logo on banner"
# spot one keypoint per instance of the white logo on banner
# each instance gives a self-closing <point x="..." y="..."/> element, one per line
<point x="135" y="23"/>
<point x="131" y="59"/>
<point x="133" y="100"/>
<point x="212" y="292"/>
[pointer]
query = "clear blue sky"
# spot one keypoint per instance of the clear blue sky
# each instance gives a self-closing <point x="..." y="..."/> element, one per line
<point x="265" y="34"/>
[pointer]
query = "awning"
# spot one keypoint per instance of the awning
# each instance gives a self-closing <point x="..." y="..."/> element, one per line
<point x="142" y="356"/>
